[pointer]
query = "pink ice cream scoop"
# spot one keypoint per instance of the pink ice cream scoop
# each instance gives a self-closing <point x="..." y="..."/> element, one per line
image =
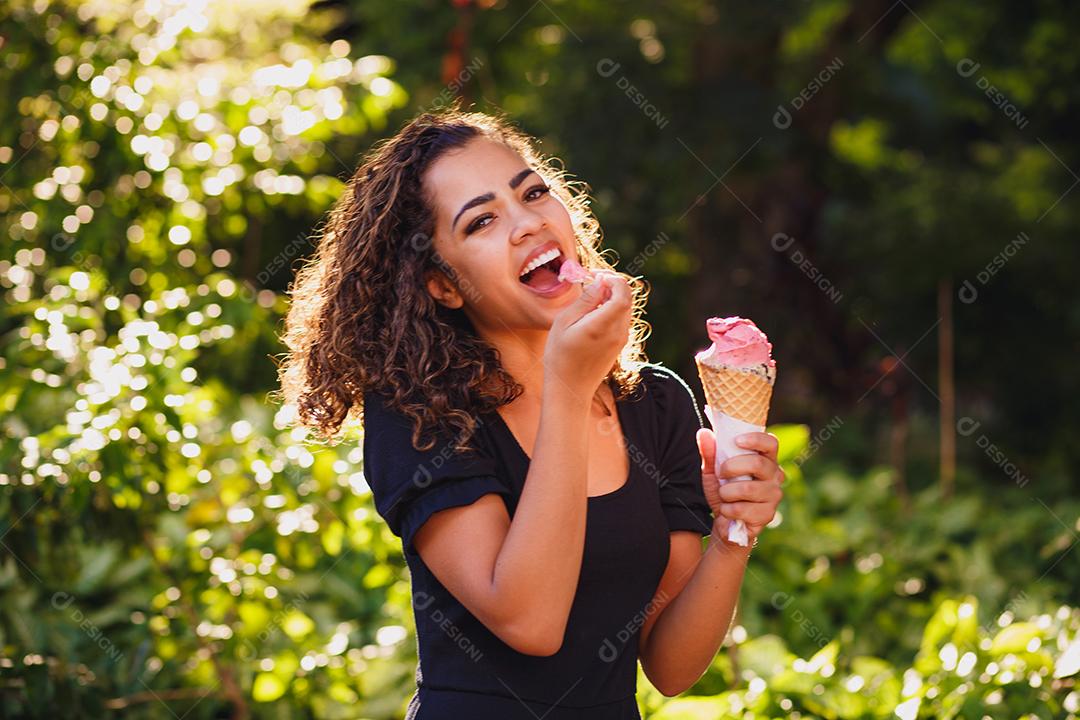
<point x="737" y="342"/>
<point x="737" y="374"/>
<point x="571" y="271"/>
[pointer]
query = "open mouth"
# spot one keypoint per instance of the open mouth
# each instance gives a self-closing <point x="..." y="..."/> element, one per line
<point x="545" y="275"/>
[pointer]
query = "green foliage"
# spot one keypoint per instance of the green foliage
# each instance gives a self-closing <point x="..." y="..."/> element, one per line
<point x="850" y="552"/>
<point x="166" y="539"/>
<point x="901" y="166"/>
<point x="1007" y="669"/>
<point x="832" y="591"/>
<point x="835" y="586"/>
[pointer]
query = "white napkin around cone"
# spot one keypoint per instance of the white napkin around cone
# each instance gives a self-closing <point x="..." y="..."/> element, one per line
<point x="726" y="429"/>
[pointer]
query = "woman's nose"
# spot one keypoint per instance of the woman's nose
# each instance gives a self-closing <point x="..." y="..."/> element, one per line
<point x="527" y="222"/>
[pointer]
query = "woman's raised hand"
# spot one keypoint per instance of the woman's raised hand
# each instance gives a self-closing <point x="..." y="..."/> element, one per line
<point x="587" y="335"/>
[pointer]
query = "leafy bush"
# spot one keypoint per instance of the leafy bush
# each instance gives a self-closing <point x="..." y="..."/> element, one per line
<point x="1011" y="669"/>
<point x="166" y="539"/>
<point x="848" y="554"/>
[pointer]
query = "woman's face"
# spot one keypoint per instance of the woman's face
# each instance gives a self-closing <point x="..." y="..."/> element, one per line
<point x="492" y="215"/>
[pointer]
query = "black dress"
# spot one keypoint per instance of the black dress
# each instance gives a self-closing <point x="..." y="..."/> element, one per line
<point x="466" y="671"/>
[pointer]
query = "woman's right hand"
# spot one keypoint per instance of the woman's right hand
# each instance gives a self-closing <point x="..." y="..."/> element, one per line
<point x="587" y="335"/>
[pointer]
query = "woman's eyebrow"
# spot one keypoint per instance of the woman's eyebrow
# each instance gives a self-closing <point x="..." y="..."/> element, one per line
<point x="488" y="196"/>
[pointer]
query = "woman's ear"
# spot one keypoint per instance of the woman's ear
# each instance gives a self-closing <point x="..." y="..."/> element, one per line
<point x="444" y="292"/>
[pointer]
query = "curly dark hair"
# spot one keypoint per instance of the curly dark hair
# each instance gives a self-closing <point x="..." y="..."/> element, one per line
<point x="361" y="317"/>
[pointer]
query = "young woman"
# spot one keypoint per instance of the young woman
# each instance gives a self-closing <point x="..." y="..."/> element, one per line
<point x="550" y="487"/>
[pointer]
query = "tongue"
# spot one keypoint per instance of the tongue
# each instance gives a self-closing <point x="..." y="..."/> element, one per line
<point x="543" y="278"/>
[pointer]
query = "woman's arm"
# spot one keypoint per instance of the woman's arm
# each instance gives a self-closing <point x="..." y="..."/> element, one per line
<point x="680" y="642"/>
<point x="688" y="632"/>
<point x="519" y="578"/>
<point x="536" y="572"/>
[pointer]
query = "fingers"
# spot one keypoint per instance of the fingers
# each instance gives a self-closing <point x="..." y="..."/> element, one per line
<point x="618" y="288"/>
<point x="600" y="285"/>
<point x="752" y="501"/>
<point x="759" y="466"/>
<point x="611" y="300"/>
<point x="763" y="442"/>
<point x="583" y="306"/>
<point x="706" y="442"/>
<point x="598" y="289"/>
<point x="752" y="513"/>
<point x="751" y="491"/>
<point x="595" y="293"/>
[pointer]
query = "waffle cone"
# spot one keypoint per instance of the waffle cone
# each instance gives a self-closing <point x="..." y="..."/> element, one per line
<point x="741" y="395"/>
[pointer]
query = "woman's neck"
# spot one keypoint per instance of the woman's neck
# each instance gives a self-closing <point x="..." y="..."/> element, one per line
<point x="521" y="354"/>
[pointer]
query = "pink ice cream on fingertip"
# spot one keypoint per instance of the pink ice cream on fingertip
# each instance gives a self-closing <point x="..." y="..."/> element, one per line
<point x="571" y="271"/>
<point x="737" y="342"/>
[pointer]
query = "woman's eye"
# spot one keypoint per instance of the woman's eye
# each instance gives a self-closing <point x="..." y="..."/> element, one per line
<point x="475" y="224"/>
<point x="539" y="189"/>
<point x="532" y="194"/>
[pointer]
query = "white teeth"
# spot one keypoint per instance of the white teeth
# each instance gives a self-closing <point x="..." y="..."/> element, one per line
<point x="540" y="260"/>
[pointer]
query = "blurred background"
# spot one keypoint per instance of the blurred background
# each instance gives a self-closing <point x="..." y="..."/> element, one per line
<point x="886" y="188"/>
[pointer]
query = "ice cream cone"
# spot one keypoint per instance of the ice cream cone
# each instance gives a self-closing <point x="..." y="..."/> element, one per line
<point x="737" y="392"/>
<point x="737" y="373"/>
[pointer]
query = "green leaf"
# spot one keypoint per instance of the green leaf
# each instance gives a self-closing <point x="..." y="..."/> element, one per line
<point x="793" y="441"/>
<point x="253" y="618"/>
<point x="96" y="563"/>
<point x="694" y="708"/>
<point x="268" y="687"/>
<point x="332" y="536"/>
<point x="1014" y="638"/>
<point x="940" y="626"/>
<point x="765" y="656"/>
<point x="1069" y="661"/>
<point x="823" y="657"/>
<point x="297" y="625"/>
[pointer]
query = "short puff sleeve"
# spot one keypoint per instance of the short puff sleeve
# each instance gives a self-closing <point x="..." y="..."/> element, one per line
<point x="409" y="485"/>
<point x="677" y="421"/>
